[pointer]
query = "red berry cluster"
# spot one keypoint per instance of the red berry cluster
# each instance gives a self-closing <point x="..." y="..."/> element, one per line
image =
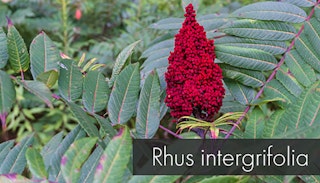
<point x="194" y="81"/>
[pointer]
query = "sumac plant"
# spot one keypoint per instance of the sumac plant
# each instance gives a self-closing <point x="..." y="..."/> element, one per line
<point x="252" y="73"/>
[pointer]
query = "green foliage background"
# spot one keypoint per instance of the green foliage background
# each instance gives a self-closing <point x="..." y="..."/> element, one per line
<point x="68" y="84"/>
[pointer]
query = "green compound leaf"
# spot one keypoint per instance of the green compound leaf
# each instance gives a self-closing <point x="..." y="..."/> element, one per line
<point x="75" y="156"/>
<point x="124" y="95"/>
<point x="95" y="92"/>
<point x="276" y="11"/>
<point x="120" y="61"/>
<point x="44" y="55"/>
<point x="70" y="80"/>
<point x="113" y="162"/>
<point x="7" y="93"/>
<point x="148" y="112"/>
<point x="3" y="49"/>
<point x="17" y="49"/>
<point x="36" y="163"/>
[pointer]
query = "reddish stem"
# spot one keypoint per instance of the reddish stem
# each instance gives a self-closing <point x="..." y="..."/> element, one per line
<point x="272" y="74"/>
<point x="3" y="121"/>
<point x="170" y="132"/>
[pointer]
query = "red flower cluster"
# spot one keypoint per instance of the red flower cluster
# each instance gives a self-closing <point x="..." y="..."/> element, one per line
<point x="194" y="81"/>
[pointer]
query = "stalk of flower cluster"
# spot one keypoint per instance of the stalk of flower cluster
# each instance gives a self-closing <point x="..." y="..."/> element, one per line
<point x="194" y="81"/>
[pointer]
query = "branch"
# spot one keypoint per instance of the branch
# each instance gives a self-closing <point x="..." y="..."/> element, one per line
<point x="170" y="132"/>
<point x="273" y="74"/>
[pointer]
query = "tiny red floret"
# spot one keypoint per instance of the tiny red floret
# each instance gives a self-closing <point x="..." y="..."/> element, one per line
<point x="194" y="81"/>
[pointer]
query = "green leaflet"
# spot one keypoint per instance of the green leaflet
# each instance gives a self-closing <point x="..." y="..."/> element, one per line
<point x="301" y="119"/>
<point x="49" y="78"/>
<point x="148" y="112"/>
<point x="36" y="163"/>
<point x="229" y="104"/>
<point x="95" y="92"/>
<point x="124" y="95"/>
<point x="120" y="61"/>
<point x="113" y="162"/>
<point x="74" y="157"/>
<point x="40" y="90"/>
<point x="85" y="120"/>
<point x="49" y="149"/>
<point x="302" y="3"/>
<point x="7" y="93"/>
<point x="254" y="125"/>
<point x="289" y="82"/>
<point x="162" y="46"/>
<point x="271" y="125"/>
<point x="15" y="161"/>
<point x="3" y="49"/>
<point x="247" y="77"/>
<point x="70" y="80"/>
<point x="168" y="23"/>
<point x="153" y="179"/>
<point x="241" y="93"/>
<point x="307" y="52"/>
<point x="55" y="158"/>
<point x="44" y="55"/>
<point x="17" y="49"/>
<point x="276" y="11"/>
<point x="5" y="148"/>
<point x="309" y="43"/>
<point x="263" y="30"/>
<point x="273" y="47"/>
<point x="105" y="125"/>
<point x="157" y="57"/>
<point x="301" y="71"/>
<point x="274" y="89"/>
<point x="246" y="58"/>
<point x="89" y="167"/>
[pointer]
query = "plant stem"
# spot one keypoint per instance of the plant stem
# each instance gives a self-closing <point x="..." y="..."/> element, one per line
<point x="64" y="18"/>
<point x="273" y="74"/>
<point x="170" y="132"/>
<point x="3" y="122"/>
